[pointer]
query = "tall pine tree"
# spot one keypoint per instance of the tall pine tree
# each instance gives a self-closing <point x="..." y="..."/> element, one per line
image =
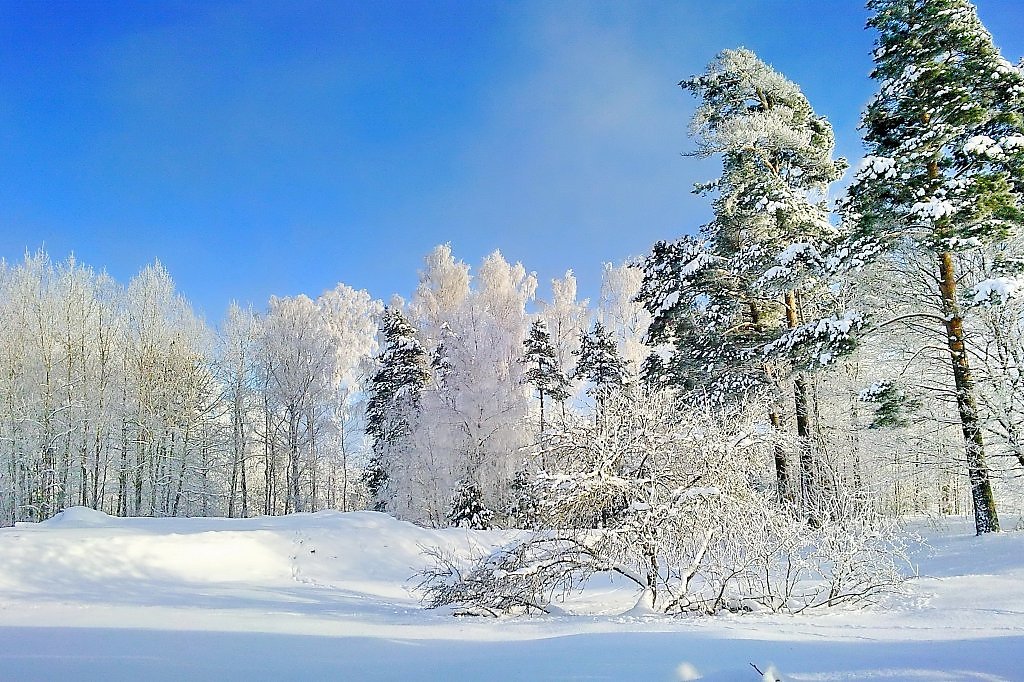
<point x="946" y="168"/>
<point x="725" y="301"/>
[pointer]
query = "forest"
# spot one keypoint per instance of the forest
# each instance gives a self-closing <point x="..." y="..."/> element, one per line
<point x="836" y="350"/>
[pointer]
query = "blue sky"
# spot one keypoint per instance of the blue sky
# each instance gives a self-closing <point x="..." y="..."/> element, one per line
<point x="260" y="148"/>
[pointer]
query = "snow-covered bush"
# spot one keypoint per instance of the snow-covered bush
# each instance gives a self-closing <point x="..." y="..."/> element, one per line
<point x="681" y="502"/>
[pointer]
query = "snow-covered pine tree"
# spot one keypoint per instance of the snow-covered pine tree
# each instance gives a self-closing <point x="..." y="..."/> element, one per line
<point x="726" y="300"/>
<point x="707" y="330"/>
<point x="599" y="363"/>
<point x="946" y="167"/>
<point x="543" y="372"/>
<point x="393" y="397"/>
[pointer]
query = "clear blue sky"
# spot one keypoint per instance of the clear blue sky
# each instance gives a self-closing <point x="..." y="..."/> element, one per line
<point x="262" y="148"/>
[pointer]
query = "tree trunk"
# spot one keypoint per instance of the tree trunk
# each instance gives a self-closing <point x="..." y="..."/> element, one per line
<point x="985" y="518"/>
<point x="344" y="471"/>
<point x="268" y="460"/>
<point x="245" y="492"/>
<point x="236" y="459"/>
<point x="293" y="459"/>
<point x="781" y="466"/>
<point x="803" y="420"/>
<point x="543" y="457"/>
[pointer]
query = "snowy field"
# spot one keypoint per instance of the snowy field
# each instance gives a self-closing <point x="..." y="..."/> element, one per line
<point x="328" y="596"/>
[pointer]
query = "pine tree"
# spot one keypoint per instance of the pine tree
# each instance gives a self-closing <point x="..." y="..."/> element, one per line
<point x="725" y="301"/>
<point x="709" y="331"/>
<point x="946" y="167"/>
<point x="599" y="363"/>
<point x="393" y="401"/>
<point x="543" y="372"/>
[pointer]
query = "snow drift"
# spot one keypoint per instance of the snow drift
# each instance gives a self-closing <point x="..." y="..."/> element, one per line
<point x="329" y="596"/>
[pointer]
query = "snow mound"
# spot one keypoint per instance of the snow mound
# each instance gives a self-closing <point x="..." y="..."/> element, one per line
<point x="82" y="553"/>
<point x="79" y="517"/>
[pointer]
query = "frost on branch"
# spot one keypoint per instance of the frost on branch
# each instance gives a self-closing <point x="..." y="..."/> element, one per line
<point x="997" y="290"/>
<point x="682" y="504"/>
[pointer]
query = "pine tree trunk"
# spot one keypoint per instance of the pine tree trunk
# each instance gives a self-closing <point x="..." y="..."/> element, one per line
<point x="803" y="432"/>
<point x="985" y="517"/>
<point x="803" y="420"/>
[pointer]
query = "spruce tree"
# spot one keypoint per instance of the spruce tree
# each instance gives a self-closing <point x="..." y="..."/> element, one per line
<point x="393" y="398"/>
<point x="468" y="510"/>
<point x="946" y="168"/>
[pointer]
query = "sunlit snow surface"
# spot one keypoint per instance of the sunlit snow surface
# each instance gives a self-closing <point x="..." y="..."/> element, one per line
<point x="328" y="596"/>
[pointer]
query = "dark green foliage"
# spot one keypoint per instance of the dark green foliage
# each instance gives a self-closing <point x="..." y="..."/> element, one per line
<point x="944" y="131"/>
<point x="524" y="509"/>
<point x="893" y="408"/>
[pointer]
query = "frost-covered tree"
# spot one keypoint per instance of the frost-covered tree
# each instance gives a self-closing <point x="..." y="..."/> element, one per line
<point x="122" y="399"/>
<point x="170" y="396"/>
<point x="945" y="170"/>
<point x="477" y="406"/>
<point x="999" y="357"/>
<point x="109" y="398"/>
<point x="567" y="319"/>
<point x="237" y="370"/>
<point x="623" y="314"/>
<point x="471" y="427"/>
<point x="300" y="362"/>
<point x="350" y="319"/>
<point x="694" y="529"/>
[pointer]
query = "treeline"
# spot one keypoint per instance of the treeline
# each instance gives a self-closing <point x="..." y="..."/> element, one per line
<point x="120" y="398"/>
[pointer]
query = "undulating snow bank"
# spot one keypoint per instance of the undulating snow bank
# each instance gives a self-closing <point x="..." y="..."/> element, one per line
<point x="329" y="596"/>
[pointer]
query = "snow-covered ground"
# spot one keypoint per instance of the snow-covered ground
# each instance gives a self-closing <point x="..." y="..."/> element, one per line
<point x="328" y="596"/>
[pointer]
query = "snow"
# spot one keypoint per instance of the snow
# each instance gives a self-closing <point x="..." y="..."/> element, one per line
<point x="328" y="596"/>
<point x="934" y="209"/>
<point x="794" y="251"/>
<point x="997" y="289"/>
<point x="983" y="145"/>
<point x="876" y="167"/>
